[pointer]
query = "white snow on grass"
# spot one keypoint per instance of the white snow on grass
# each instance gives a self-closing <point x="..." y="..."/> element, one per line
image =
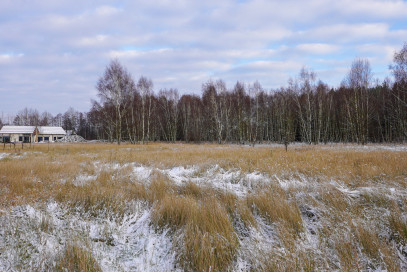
<point x="142" y="173"/>
<point x="256" y="246"/>
<point x="180" y="174"/>
<point x="366" y="148"/>
<point x="12" y="155"/>
<point x="233" y="181"/>
<point x="83" y="179"/>
<point x="33" y="238"/>
<point x="3" y="155"/>
<point x="132" y="245"/>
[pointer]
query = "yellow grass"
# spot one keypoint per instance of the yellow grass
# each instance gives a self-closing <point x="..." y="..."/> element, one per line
<point x="274" y="205"/>
<point x="210" y="242"/>
<point x="78" y="259"/>
<point x="205" y="218"/>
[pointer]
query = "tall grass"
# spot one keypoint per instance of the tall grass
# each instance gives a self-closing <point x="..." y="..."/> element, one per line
<point x="76" y="258"/>
<point x="273" y="204"/>
<point x="208" y="224"/>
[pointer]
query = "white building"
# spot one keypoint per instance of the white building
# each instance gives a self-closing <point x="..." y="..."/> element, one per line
<point x="30" y="134"/>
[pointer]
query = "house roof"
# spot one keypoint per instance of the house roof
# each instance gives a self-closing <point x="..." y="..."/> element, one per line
<point x="17" y="129"/>
<point x="51" y="130"/>
<point x="31" y="129"/>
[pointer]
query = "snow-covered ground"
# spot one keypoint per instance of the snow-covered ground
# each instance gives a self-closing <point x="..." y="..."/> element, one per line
<point x="33" y="237"/>
<point x="3" y="155"/>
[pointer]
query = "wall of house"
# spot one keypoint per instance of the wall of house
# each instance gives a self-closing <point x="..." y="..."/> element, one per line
<point x="33" y="138"/>
<point x="16" y="137"/>
<point x="51" y="137"/>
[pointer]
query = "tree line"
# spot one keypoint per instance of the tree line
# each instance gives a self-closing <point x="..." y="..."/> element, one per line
<point x="307" y="110"/>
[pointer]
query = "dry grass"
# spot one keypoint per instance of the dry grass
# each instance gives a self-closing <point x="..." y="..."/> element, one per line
<point x="369" y="241"/>
<point x="209" y="241"/>
<point x="378" y="250"/>
<point x="78" y="259"/>
<point x="275" y="206"/>
<point x="210" y="221"/>
<point x="398" y="224"/>
<point x="303" y="261"/>
<point x="347" y="253"/>
<point x="203" y="218"/>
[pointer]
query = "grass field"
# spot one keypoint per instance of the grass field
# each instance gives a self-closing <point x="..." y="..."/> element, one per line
<point x="169" y="207"/>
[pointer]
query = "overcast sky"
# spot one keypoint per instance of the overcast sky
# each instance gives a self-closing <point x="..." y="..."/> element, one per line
<point x="53" y="52"/>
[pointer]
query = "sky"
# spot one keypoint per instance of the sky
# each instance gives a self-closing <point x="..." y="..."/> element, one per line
<point x="53" y="52"/>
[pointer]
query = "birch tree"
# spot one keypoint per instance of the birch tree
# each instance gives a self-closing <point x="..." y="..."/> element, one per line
<point x="399" y="70"/>
<point x="168" y="100"/>
<point x="114" y="88"/>
<point x="145" y="87"/>
<point x="305" y="87"/>
<point x="358" y="80"/>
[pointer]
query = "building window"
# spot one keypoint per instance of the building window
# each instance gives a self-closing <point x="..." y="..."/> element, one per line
<point x="39" y="139"/>
<point x="20" y="138"/>
<point x="46" y="139"/>
<point x="6" y="139"/>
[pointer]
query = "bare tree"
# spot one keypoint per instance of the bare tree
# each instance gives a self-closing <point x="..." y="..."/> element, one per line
<point x="131" y="116"/>
<point x="168" y="100"/>
<point x="399" y="68"/>
<point x="145" y="87"/>
<point x="305" y="87"/>
<point x="114" y="88"/>
<point x="214" y="97"/>
<point x="255" y="91"/>
<point x="239" y="95"/>
<point x="27" y="117"/>
<point x="46" y="119"/>
<point x="191" y="112"/>
<point x="399" y="107"/>
<point x="307" y="110"/>
<point x="70" y="119"/>
<point x="283" y="116"/>
<point x="358" y="80"/>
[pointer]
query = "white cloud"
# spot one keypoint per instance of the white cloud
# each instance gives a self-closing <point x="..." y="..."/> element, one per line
<point x="343" y="33"/>
<point x="107" y="10"/>
<point x="181" y="43"/>
<point x="386" y="52"/>
<point x="7" y="57"/>
<point x="96" y="40"/>
<point x="317" y="48"/>
<point x="373" y="8"/>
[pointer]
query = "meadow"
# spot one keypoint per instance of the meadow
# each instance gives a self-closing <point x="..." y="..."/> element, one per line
<point x="206" y="207"/>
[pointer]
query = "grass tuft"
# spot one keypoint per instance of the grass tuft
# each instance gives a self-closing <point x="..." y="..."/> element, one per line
<point x="78" y="259"/>
<point x="209" y="241"/>
<point x="273" y="204"/>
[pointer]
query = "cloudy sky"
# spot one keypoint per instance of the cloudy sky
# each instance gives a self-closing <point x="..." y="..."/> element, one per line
<point x="53" y="52"/>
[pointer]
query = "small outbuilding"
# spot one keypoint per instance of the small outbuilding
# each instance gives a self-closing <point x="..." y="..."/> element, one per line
<point x="30" y="134"/>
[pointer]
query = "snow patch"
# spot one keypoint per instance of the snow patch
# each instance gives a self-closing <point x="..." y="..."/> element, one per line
<point x="82" y="180"/>
<point x="233" y="181"/>
<point x="180" y="174"/>
<point x="32" y="239"/>
<point x="142" y="173"/>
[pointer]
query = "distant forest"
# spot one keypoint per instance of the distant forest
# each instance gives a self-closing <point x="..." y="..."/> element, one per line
<point x="307" y="110"/>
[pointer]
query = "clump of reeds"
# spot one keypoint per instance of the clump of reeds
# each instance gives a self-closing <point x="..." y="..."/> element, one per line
<point x="76" y="258"/>
<point x="274" y="205"/>
<point x="209" y="241"/>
